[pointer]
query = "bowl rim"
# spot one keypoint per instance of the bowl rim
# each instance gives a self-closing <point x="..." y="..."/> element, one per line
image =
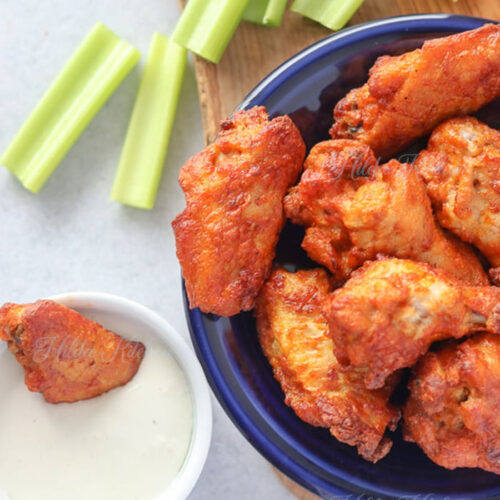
<point x="418" y="23"/>
<point x="201" y="433"/>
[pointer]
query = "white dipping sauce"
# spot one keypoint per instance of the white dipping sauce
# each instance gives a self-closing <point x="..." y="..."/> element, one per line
<point x="127" y="444"/>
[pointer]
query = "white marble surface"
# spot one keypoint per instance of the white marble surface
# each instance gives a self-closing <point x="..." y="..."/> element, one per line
<point x="71" y="236"/>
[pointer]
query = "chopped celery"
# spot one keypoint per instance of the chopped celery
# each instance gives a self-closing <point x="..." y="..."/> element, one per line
<point x="333" y="14"/>
<point x="207" y="26"/>
<point x="148" y="133"/>
<point x="265" y="12"/>
<point x="87" y="80"/>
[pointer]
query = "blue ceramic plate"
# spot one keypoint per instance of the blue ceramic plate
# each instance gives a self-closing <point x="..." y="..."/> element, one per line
<point x="307" y="87"/>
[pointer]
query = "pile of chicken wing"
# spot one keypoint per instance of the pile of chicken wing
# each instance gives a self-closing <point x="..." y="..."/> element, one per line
<point x="409" y="252"/>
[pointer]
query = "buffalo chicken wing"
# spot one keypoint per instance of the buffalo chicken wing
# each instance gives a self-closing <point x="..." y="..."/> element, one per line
<point x="66" y="356"/>
<point x="294" y="337"/>
<point x="355" y="210"/>
<point x="461" y="168"/>
<point x="453" y="409"/>
<point x="390" y="311"/>
<point x="408" y="95"/>
<point x="226" y="236"/>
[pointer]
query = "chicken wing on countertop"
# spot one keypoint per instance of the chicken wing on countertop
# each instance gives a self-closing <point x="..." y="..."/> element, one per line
<point x="226" y="236"/>
<point x="461" y="168"/>
<point x="294" y="336"/>
<point x="453" y="409"/>
<point x="391" y="310"/>
<point x="408" y="95"/>
<point x="66" y="356"/>
<point x="353" y="210"/>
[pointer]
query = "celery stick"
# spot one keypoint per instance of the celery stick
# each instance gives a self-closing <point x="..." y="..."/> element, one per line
<point x="207" y="26"/>
<point x="333" y="14"/>
<point x="90" y="76"/>
<point x="265" y="12"/>
<point x="143" y="154"/>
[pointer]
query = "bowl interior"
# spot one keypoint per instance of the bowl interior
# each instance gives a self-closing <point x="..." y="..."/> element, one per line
<point x="307" y="88"/>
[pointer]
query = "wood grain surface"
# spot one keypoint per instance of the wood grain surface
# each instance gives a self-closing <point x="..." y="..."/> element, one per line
<point x="255" y="51"/>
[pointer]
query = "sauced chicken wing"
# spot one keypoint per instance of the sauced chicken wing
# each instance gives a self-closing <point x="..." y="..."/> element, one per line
<point x="453" y="408"/>
<point x="234" y="189"/>
<point x="294" y="337"/>
<point x="407" y="96"/>
<point x="354" y="210"/>
<point x="461" y="168"/>
<point x="390" y="311"/>
<point x="66" y="356"/>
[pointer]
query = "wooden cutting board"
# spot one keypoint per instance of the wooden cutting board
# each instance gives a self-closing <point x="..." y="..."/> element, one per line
<point x="255" y="51"/>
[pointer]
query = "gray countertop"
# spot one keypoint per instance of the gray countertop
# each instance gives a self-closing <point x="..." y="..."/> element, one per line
<point x="71" y="236"/>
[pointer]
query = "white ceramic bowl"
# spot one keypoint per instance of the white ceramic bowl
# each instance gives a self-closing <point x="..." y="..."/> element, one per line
<point x="121" y="315"/>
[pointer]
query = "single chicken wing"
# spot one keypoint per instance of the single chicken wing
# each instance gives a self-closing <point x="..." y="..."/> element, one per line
<point x="353" y="210"/>
<point x="226" y="236"/>
<point x="453" y="409"/>
<point x="390" y="311"/>
<point x="294" y="336"/>
<point x="408" y="95"/>
<point x="66" y="356"/>
<point x="461" y="168"/>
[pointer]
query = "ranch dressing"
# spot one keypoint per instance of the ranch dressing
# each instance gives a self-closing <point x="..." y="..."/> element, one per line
<point x="127" y="444"/>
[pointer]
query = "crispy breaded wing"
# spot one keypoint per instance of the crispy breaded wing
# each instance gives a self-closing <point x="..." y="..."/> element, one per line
<point x="453" y="409"/>
<point x="234" y="189"/>
<point x="66" y="356"/>
<point x="294" y="337"/>
<point x="407" y="96"/>
<point x="461" y="168"/>
<point x="355" y="210"/>
<point x="391" y="310"/>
